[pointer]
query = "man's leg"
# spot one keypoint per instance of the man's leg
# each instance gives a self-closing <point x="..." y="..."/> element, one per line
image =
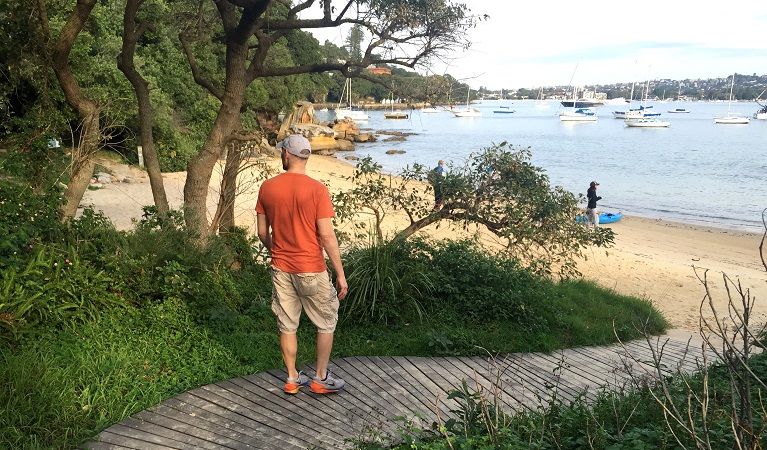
<point x="324" y="346"/>
<point x="289" y="347"/>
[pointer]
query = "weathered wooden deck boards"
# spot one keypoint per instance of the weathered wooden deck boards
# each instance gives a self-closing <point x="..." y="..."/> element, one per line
<point x="252" y="412"/>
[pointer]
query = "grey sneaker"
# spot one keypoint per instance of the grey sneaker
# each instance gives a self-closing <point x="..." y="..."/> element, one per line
<point x="292" y="385"/>
<point x="327" y="386"/>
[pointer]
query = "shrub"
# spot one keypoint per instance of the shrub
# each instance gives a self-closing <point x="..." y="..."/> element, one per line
<point x="477" y="284"/>
<point x="387" y="284"/>
<point x="26" y="219"/>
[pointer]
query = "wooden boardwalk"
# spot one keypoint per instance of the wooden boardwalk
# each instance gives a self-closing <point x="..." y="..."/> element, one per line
<point x="252" y="412"/>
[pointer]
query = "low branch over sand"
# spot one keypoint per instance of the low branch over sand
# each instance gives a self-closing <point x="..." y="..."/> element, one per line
<point x="652" y="259"/>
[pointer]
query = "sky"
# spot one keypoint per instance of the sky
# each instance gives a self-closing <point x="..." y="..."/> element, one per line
<point x="534" y="43"/>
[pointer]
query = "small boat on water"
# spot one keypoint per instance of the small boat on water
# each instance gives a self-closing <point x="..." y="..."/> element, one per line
<point x="349" y="110"/>
<point x="504" y="110"/>
<point x="578" y="115"/>
<point x="582" y="103"/>
<point x="431" y="110"/>
<point x="679" y="110"/>
<point x="395" y="115"/>
<point x="731" y="118"/>
<point x="468" y="112"/>
<point x="647" y="122"/>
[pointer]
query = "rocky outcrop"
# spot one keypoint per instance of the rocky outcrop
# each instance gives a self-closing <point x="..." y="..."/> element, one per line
<point x="326" y="138"/>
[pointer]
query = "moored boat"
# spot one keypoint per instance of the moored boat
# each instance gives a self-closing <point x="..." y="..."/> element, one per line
<point x="581" y="103"/>
<point x="647" y="122"/>
<point x="578" y="115"/>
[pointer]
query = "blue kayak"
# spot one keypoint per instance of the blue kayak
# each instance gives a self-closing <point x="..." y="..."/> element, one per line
<point x="605" y="217"/>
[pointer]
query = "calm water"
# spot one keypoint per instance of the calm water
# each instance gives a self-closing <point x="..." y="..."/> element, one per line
<point x="695" y="171"/>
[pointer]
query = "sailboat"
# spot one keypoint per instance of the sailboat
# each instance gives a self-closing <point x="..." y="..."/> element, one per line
<point x="394" y="114"/>
<point x="648" y="118"/>
<point x="353" y="113"/>
<point x="503" y="109"/>
<point x="678" y="99"/>
<point x="467" y="112"/>
<point x="731" y="118"/>
<point x="577" y="114"/>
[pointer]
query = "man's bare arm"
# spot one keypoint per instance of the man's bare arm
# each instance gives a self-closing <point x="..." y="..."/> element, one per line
<point x="264" y="233"/>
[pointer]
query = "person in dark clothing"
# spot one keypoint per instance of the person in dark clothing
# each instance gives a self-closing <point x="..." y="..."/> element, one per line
<point x="438" y="174"/>
<point x="592" y="215"/>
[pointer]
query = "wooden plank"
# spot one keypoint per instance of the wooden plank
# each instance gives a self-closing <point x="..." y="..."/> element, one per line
<point x="522" y="382"/>
<point x="249" y="425"/>
<point x="368" y="388"/>
<point x="222" y="433"/>
<point x="243" y="406"/>
<point x="414" y="382"/>
<point x="210" y="419"/>
<point x="391" y="381"/>
<point x="108" y="443"/>
<point x="125" y="435"/>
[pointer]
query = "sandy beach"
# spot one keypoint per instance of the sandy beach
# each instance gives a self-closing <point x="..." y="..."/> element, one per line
<point x="652" y="259"/>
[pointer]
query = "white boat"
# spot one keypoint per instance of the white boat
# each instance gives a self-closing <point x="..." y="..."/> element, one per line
<point x="679" y="110"/>
<point x="578" y="115"/>
<point x="349" y="111"/>
<point x="466" y="112"/>
<point x="395" y="114"/>
<point x="731" y="118"/>
<point x="647" y="122"/>
<point x="431" y="110"/>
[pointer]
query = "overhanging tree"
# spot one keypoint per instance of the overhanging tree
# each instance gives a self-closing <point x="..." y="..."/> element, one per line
<point x="402" y="32"/>
<point x="497" y="189"/>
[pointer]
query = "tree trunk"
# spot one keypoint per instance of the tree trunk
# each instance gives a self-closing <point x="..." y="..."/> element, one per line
<point x="132" y="31"/>
<point x="225" y="212"/>
<point x="81" y="169"/>
<point x="227" y="124"/>
<point x="200" y="167"/>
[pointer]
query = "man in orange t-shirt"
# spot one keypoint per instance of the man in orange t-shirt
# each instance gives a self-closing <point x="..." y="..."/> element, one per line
<point x="294" y="224"/>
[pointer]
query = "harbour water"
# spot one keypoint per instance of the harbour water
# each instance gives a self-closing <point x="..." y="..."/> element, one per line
<point x="695" y="171"/>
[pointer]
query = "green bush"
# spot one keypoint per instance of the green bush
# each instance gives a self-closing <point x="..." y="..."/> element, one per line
<point x="387" y="284"/>
<point x="27" y="218"/>
<point x="54" y="288"/>
<point x="477" y="284"/>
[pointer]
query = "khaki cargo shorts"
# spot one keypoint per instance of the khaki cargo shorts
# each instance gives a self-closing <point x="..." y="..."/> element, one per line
<point x="314" y="292"/>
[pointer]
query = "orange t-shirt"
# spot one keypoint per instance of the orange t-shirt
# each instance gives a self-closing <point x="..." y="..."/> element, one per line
<point x="292" y="203"/>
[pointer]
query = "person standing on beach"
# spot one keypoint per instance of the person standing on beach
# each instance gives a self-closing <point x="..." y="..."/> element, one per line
<point x="437" y="174"/>
<point x="294" y="224"/>
<point x="592" y="215"/>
